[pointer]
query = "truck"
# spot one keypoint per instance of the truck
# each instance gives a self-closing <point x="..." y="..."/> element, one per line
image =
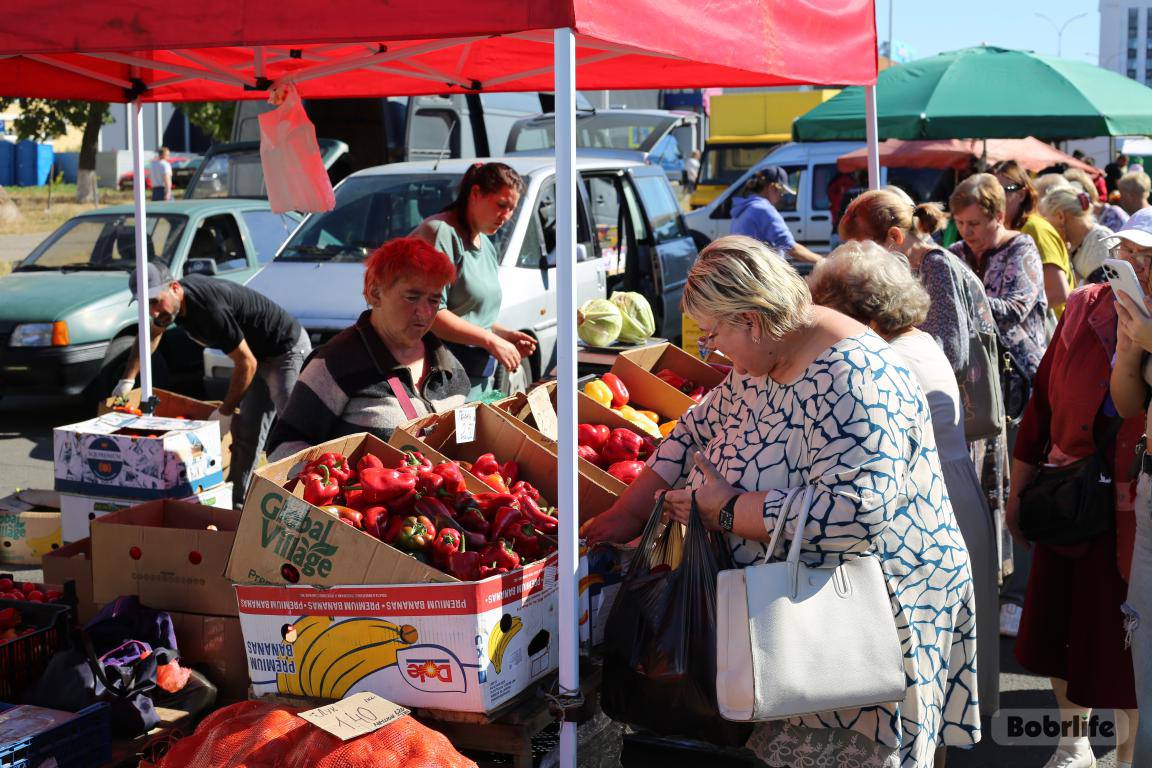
<point x="742" y="129"/>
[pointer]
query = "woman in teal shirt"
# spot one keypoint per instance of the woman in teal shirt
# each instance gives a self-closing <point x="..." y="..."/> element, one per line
<point x="489" y="193"/>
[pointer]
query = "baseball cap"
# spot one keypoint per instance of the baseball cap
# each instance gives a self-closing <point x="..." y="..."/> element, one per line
<point x="774" y="174"/>
<point x="159" y="278"/>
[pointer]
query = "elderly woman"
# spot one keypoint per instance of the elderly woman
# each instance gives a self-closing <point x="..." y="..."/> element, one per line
<point x="863" y="281"/>
<point x="388" y="367"/>
<point x="1069" y="211"/>
<point x="1020" y="201"/>
<point x="1071" y="630"/>
<point x="815" y="398"/>
<point x="1107" y="215"/>
<point x="488" y="196"/>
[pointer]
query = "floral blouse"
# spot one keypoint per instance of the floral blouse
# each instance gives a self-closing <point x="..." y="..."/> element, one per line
<point x="958" y="302"/>
<point x="1014" y="281"/>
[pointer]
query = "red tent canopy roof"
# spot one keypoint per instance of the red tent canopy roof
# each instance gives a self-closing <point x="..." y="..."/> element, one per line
<point x="1031" y="153"/>
<point x="232" y="49"/>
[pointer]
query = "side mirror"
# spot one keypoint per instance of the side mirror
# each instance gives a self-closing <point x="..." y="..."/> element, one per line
<point x="200" y="267"/>
<point x="548" y="260"/>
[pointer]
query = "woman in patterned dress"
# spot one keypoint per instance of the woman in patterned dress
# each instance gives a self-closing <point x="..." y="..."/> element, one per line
<point x="816" y="398"/>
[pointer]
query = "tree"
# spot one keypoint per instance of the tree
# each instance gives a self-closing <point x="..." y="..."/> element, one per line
<point x="45" y="119"/>
<point x="212" y="117"/>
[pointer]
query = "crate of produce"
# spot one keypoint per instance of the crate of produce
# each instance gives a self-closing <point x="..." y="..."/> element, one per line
<point x="35" y="736"/>
<point x="26" y="645"/>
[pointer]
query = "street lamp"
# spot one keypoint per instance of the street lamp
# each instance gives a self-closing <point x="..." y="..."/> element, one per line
<point x="1060" y="29"/>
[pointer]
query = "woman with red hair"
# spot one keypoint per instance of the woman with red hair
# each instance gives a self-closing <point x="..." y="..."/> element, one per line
<point x="386" y="369"/>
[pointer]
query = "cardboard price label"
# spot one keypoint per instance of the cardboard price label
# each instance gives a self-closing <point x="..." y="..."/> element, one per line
<point x="465" y="425"/>
<point x="540" y="402"/>
<point x="355" y="715"/>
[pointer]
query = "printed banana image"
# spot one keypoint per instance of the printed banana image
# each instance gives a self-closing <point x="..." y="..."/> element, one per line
<point x="332" y="657"/>
<point x="501" y="635"/>
<point x="42" y="545"/>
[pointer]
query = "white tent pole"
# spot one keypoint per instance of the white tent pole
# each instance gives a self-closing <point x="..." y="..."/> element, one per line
<point x="873" y="143"/>
<point x="144" y="320"/>
<point x="568" y="502"/>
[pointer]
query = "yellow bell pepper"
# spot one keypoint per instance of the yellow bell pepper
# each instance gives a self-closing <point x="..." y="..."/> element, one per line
<point x="599" y="391"/>
<point x="651" y="415"/>
<point x="638" y="419"/>
<point x="667" y="427"/>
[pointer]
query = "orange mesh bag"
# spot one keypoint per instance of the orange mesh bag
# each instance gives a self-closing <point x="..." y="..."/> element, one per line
<point x="254" y="734"/>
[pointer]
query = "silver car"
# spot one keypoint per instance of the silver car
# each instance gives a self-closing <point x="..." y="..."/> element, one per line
<point x="630" y="236"/>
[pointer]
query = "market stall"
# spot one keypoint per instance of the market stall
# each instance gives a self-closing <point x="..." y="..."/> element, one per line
<point x="221" y="49"/>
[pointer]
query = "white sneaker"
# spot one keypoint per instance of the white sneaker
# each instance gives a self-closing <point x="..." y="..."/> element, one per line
<point x="1076" y="758"/>
<point x="1010" y="619"/>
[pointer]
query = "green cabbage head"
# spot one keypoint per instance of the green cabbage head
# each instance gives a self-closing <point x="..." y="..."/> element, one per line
<point x="599" y="323"/>
<point x="638" y="323"/>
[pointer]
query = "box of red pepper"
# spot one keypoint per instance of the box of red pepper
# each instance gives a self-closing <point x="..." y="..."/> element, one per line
<point x="671" y="379"/>
<point x="502" y="453"/>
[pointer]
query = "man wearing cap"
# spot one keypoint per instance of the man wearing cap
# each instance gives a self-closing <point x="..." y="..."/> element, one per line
<point x="266" y="344"/>
<point x="755" y="215"/>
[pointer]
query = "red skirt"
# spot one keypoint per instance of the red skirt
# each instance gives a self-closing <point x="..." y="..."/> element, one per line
<point x="1072" y="626"/>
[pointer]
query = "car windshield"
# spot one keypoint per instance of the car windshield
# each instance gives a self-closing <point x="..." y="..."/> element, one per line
<point x="725" y="164"/>
<point x="370" y="210"/>
<point x="102" y="243"/>
<point x="600" y="130"/>
<point x="230" y="174"/>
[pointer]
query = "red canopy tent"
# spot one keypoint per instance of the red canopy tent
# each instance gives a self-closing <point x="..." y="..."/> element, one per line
<point x="133" y="50"/>
<point x="1031" y="153"/>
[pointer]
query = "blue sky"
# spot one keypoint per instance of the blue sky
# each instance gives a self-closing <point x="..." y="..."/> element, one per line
<point x="931" y="26"/>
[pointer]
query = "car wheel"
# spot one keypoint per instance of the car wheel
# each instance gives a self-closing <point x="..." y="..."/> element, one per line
<point x="115" y="358"/>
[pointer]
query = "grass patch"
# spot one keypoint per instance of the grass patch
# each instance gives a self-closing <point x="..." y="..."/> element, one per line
<point x="34" y="215"/>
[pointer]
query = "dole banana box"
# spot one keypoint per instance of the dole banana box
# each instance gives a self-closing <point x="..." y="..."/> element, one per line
<point x="29" y="526"/>
<point x="177" y="406"/>
<point x="507" y="438"/>
<point x="137" y="457"/>
<point x="464" y="646"/>
<point x="283" y="539"/>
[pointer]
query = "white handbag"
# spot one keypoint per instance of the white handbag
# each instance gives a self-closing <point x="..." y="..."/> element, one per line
<point x="794" y="640"/>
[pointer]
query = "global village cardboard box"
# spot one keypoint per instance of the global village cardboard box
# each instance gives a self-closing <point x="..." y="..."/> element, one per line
<point x="77" y="512"/>
<point x="283" y="539"/>
<point x="29" y="526"/>
<point x="176" y="406"/>
<point x="165" y="552"/>
<point x="213" y="643"/>
<point x="114" y="455"/>
<point x="465" y="646"/>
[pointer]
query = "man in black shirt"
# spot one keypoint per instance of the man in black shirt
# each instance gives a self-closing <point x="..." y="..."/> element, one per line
<point x="266" y="344"/>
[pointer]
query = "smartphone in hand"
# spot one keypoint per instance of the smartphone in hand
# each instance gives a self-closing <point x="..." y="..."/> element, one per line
<point x="1122" y="277"/>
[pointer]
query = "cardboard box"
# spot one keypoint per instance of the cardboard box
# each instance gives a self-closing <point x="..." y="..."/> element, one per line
<point x="215" y="644"/>
<point x="500" y="434"/>
<point x="177" y="406"/>
<point x="78" y="512"/>
<point x="463" y="646"/>
<point x="283" y="539"/>
<point x="112" y="456"/>
<point x="163" y="552"/>
<point x="638" y="369"/>
<point x="29" y="526"/>
<point x="73" y="562"/>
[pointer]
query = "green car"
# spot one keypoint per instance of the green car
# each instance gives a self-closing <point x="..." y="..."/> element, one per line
<point x="66" y="323"/>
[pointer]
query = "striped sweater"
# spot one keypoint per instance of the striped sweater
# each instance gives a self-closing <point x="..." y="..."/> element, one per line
<point x="343" y="389"/>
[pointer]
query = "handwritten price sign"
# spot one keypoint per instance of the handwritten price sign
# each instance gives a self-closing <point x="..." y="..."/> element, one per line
<point x="355" y="715"/>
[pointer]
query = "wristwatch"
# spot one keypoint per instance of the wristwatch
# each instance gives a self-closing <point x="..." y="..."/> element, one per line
<point x="728" y="513"/>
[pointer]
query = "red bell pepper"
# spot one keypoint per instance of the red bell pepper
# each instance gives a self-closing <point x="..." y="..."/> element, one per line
<point x="526" y="540"/>
<point x="626" y="471"/>
<point x="346" y="514"/>
<point x="374" y="516"/>
<point x="505" y="517"/>
<point x="354" y="497"/>
<point x="485" y="465"/>
<point x="403" y="505"/>
<point x="490" y="570"/>
<point x="588" y="453"/>
<point x="414" y="460"/>
<point x="416" y="533"/>
<point x="592" y="435"/>
<point x="428" y="483"/>
<point x="536" y="516"/>
<point x="386" y="484"/>
<point x="336" y="463"/>
<point x="320" y="487"/>
<point x="697" y="394"/>
<point x="619" y="391"/>
<point x="671" y="378"/>
<point x="391" y="529"/>
<point x="499" y="554"/>
<point x="464" y="565"/>
<point x="623" y="445"/>
<point x="453" y="477"/>
<point x="447" y="542"/>
<point x="369" y="461"/>
<point x="432" y="508"/>
<point x="525" y="487"/>
<point x="468" y="514"/>
<point x="490" y="503"/>
<point x="495" y="481"/>
<point x="510" y="471"/>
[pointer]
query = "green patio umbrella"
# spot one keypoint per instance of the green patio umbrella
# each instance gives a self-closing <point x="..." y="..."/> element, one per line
<point x="987" y="92"/>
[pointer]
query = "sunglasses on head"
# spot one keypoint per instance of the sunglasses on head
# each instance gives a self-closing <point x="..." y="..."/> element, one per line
<point x="1013" y="187"/>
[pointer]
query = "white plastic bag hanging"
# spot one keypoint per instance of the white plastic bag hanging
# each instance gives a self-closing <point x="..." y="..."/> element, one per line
<point x="294" y="172"/>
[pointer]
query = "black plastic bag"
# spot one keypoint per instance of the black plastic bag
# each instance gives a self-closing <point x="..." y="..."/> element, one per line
<point x="660" y="640"/>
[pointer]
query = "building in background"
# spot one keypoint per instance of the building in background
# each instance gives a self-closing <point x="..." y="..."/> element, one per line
<point x="1126" y="38"/>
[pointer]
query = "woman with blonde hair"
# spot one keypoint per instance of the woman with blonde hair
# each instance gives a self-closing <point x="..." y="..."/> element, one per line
<point x="1069" y="210"/>
<point x="1107" y="215"/>
<point x="817" y="399"/>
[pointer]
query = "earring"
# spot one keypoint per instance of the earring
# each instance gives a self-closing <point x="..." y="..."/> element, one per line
<point x="755" y="339"/>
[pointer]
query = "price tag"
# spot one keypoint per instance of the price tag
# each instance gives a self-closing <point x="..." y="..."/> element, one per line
<point x="465" y="425"/>
<point x="354" y="716"/>
<point x="542" y="412"/>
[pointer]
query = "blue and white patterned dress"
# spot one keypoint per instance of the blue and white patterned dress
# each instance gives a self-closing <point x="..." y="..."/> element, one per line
<point x="858" y="427"/>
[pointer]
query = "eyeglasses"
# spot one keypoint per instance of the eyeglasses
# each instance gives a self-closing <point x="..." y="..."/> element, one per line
<point x="1123" y="251"/>
<point x="704" y="344"/>
<point x="1013" y="187"/>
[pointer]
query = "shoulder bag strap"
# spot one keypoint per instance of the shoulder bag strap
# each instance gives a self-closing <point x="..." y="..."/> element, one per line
<point x="401" y="394"/>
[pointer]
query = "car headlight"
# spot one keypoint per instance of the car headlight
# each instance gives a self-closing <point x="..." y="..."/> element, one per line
<point x="39" y="335"/>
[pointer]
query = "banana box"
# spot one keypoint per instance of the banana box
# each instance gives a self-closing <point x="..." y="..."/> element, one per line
<point x="29" y="526"/>
<point x="137" y="457"/>
<point x="463" y="646"/>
